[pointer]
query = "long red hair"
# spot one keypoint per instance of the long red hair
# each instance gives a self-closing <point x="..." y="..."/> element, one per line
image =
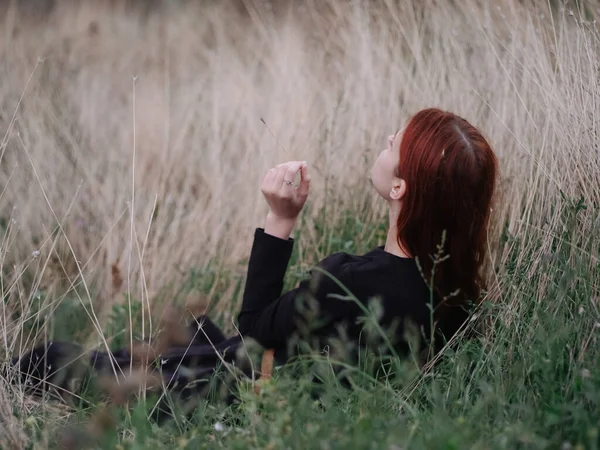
<point x="450" y="174"/>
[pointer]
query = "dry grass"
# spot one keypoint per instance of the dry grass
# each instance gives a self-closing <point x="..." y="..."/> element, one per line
<point x="133" y="145"/>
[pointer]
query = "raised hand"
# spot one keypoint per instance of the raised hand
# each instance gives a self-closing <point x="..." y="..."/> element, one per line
<point x="284" y="199"/>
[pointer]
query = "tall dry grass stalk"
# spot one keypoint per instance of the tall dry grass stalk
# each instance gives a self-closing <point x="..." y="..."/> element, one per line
<point x="133" y="143"/>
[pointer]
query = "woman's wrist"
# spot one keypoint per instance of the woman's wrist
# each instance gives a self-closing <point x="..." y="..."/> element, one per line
<point x="280" y="227"/>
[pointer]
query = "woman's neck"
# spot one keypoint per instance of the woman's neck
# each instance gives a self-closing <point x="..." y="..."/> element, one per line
<point x="391" y="241"/>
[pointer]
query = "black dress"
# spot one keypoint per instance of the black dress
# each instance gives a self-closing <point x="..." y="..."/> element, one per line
<point x="388" y="287"/>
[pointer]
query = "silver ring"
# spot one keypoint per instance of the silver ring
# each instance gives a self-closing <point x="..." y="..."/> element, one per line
<point x="288" y="182"/>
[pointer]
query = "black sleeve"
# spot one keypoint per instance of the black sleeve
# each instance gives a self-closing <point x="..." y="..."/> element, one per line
<point x="267" y="315"/>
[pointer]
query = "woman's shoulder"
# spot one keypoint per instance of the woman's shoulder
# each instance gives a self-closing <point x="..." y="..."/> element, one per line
<point x="376" y="257"/>
<point x="352" y="267"/>
<point x="340" y="262"/>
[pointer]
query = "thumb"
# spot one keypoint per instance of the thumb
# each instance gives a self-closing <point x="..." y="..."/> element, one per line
<point x="304" y="186"/>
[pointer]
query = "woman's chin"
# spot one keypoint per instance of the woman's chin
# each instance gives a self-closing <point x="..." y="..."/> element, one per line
<point x="375" y="191"/>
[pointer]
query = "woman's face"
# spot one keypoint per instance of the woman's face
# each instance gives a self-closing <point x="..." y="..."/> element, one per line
<point x="384" y="171"/>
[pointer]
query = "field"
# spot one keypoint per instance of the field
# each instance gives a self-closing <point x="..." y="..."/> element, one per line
<point x="133" y="141"/>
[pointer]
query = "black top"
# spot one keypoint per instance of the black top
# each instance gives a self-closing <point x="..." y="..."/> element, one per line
<point x="272" y="318"/>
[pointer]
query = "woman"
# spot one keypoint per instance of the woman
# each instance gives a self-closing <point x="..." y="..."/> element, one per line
<point x="438" y="178"/>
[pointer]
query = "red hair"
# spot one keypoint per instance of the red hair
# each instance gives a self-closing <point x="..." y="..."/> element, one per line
<point x="450" y="174"/>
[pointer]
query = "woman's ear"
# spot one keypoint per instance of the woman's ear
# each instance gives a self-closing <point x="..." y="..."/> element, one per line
<point x="398" y="189"/>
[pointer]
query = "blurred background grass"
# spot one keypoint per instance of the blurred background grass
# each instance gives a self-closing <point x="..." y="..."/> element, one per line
<point x="130" y="166"/>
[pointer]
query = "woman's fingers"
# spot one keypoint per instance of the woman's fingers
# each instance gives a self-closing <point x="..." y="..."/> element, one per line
<point x="278" y="178"/>
<point x="291" y="170"/>
<point x="281" y="178"/>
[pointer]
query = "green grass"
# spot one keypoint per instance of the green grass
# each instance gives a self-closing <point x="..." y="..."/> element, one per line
<point x="531" y="380"/>
<point x="173" y="208"/>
